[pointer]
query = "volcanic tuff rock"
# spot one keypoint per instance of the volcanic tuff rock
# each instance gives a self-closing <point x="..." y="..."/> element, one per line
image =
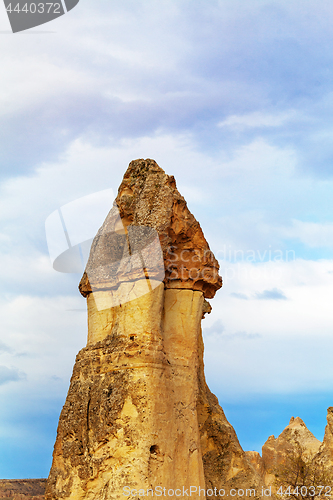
<point x="148" y="198"/>
<point x="325" y="453"/>
<point x="274" y="451"/>
<point x="138" y="411"/>
<point x="254" y="458"/>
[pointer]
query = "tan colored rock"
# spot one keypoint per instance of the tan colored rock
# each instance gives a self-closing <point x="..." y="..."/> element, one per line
<point x="136" y="390"/>
<point x="138" y="412"/>
<point x="254" y="458"/>
<point x="274" y="451"/>
<point x="148" y="199"/>
<point x="325" y="454"/>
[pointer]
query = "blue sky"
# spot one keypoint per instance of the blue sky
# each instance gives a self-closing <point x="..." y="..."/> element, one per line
<point x="233" y="98"/>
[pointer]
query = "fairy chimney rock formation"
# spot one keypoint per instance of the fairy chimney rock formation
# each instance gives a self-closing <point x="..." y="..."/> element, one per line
<point x="138" y="413"/>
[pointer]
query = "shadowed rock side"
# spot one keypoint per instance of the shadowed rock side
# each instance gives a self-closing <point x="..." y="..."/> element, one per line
<point x="22" y="489"/>
<point x="138" y="413"/>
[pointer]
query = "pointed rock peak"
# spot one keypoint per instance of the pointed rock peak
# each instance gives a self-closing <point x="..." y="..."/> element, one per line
<point x="294" y="437"/>
<point x="150" y="234"/>
<point x="329" y="417"/>
<point x="297" y="432"/>
<point x="296" y="422"/>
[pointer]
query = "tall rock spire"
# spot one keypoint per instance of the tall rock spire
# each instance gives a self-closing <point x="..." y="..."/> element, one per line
<point x="138" y="413"/>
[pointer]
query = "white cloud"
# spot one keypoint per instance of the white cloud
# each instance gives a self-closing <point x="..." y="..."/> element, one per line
<point x="313" y="234"/>
<point x="246" y="367"/>
<point x="10" y="374"/>
<point x="291" y="340"/>
<point x="257" y="119"/>
<point x="43" y="336"/>
<point x="258" y="163"/>
<point x="273" y="294"/>
<point x="308" y="285"/>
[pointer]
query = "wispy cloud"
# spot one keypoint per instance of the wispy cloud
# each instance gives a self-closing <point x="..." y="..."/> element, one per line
<point x="242" y="336"/>
<point x="218" y="330"/>
<point x="273" y="294"/>
<point x="257" y="119"/>
<point x="4" y="347"/>
<point x="10" y="375"/>
<point x="313" y="234"/>
<point x="239" y="296"/>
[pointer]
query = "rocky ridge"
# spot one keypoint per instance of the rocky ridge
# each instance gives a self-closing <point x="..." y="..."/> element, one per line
<point x="22" y="489"/>
<point x="295" y="438"/>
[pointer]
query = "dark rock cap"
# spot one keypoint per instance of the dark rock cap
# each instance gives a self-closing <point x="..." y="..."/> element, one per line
<point x="150" y="233"/>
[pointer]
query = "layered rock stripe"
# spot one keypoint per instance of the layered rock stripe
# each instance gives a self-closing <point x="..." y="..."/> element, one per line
<point x="22" y="489"/>
<point x="138" y="412"/>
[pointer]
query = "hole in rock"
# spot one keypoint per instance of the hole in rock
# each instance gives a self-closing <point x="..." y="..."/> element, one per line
<point x="154" y="449"/>
<point x="108" y="392"/>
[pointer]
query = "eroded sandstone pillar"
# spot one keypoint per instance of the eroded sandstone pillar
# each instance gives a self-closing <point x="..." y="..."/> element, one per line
<point x="138" y="413"/>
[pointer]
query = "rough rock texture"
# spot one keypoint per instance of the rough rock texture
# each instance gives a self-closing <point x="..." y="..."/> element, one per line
<point x="148" y="198"/>
<point x="254" y="458"/>
<point x="138" y="411"/>
<point x="325" y="454"/>
<point x="274" y="450"/>
<point x="22" y="489"/>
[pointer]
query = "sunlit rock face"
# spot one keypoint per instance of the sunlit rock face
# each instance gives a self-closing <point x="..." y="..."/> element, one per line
<point x="275" y="450"/>
<point x="325" y="454"/>
<point x="138" y="413"/>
